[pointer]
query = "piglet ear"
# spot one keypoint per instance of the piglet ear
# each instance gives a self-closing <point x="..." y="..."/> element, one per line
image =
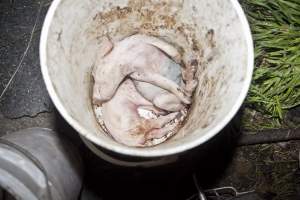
<point x="105" y="47"/>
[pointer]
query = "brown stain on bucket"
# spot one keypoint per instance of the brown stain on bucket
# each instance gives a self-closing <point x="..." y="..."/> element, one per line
<point x="148" y="17"/>
<point x="160" y="19"/>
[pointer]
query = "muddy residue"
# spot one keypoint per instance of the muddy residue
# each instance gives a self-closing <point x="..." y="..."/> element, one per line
<point x="154" y="18"/>
<point x="163" y="19"/>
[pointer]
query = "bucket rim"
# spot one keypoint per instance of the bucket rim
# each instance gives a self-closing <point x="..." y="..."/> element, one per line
<point x="147" y="152"/>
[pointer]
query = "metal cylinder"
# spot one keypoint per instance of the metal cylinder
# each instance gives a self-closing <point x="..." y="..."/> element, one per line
<point x="37" y="163"/>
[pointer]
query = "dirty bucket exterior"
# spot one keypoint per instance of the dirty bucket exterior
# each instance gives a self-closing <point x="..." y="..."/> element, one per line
<point x="218" y="30"/>
<point x="129" y="161"/>
<point x="37" y="163"/>
<point x="225" y="140"/>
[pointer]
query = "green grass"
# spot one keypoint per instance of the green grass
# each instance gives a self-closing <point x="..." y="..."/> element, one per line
<point x="275" y="88"/>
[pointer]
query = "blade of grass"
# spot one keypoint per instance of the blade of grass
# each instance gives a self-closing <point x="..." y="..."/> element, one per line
<point x="276" y="81"/>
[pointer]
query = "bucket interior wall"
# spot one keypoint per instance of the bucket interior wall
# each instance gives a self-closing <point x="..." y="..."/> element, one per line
<point x="209" y="31"/>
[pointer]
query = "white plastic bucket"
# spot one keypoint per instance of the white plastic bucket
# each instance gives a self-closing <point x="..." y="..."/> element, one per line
<point x="217" y="29"/>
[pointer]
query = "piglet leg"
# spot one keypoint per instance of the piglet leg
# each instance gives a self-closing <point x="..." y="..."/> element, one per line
<point x="162" y="120"/>
<point x="158" y="133"/>
<point x="168" y="102"/>
<point x="163" y="82"/>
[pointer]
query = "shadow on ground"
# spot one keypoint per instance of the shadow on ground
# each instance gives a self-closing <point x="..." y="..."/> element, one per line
<point x="173" y="181"/>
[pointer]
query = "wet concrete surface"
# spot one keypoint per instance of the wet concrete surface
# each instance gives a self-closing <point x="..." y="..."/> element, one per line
<point x="22" y="89"/>
<point x="272" y="170"/>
